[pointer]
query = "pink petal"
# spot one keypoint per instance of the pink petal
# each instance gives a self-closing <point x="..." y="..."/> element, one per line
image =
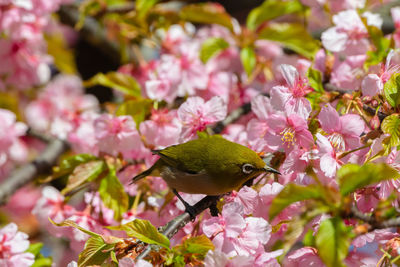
<point x="328" y="165"/>
<point x="333" y="40"/>
<point x="190" y="109"/>
<point x="215" y="109"/>
<point x="280" y="95"/>
<point x="289" y="73"/>
<point x="371" y="85"/>
<point x="261" y="106"/>
<point x="352" y="124"/>
<point x="329" y="119"/>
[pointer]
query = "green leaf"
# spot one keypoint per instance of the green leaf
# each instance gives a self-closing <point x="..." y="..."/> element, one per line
<point x="35" y="248"/>
<point x="69" y="164"/>
<point x="95" y="252"/>
<point x="391" y="125"/>
<point x="290" y="194"/>
<point x="207" y="13"/>
<point x="248" y="58"/>
<point x="353" y="176"/>
<point x="382" y="46"/>
<point x="212" y="47"/>
<point x="83" y="173"/>
<point x="139" y="109"/>
<point x="391" y="90"/>
<point x="69" y="223"/>
<point x="119" y="81"/>
<point x="271" y="9"/>
<point x="198" y="244"/>
<point x="293" y="36"/>
<point x="315" y="80"/>
<point x="143" y="7"/>
<point x="43" y="262"/>
<point x="40" y="260"/>
<point x="113" y="195"/>
<point x="63" y="56"/>
<point x="143" y="230"/>
<point x="332" y="241"/>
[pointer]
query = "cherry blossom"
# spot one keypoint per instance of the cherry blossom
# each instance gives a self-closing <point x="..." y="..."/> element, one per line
<point x="329" y="161"/>
<point x="348" y="35"/>
<point x="195" y="114"/>
<point x="373" y="84"/>
<point x="344" y="131"/>
<point x="13" y="245"/>
<point x="291" y="99"/>
<point x="116" y="134"/>
<point x="287" y="132"/>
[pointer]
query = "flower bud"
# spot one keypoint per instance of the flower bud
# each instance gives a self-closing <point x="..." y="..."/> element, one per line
<point x="375" y="122"/>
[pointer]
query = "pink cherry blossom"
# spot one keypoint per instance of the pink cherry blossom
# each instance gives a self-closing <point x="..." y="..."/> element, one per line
<point x="162" y="130"/>
<point x="329" y="163"/>
<point x="373" y="84"/>
<point x="287" y="132"/>
<point x="247" y="197"/>
<point x="12" y="247"/>
<point x="348" y="35"/>
<point x="195" y="114"/>
<point x="344" y="131"/>
<point x="258" y="128"/>
<point x="306" y="256"/>
<point x="51" y="205"/>
<point x="116" y="134"/>
<point x="12" y="149"/>
<point x="291" y="99"/>
<point x="347" y="74"/>
<point x="59" y="107"/>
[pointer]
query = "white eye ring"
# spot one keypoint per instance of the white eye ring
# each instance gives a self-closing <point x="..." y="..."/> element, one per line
<point x="247" y="168"/>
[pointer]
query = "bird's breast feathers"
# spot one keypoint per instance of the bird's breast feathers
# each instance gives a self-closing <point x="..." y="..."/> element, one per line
<point x="194" y="183"/>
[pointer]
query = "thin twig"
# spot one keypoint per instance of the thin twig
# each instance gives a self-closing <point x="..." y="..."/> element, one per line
<point x="26" y="173"/>
<point x="173" y="226"/>
<point x="371" y="220"/>
<point x="333" y="88"/>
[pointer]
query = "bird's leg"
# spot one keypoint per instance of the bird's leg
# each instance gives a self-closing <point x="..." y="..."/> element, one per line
<point x="214" y="210"/>
<point x="189" y="208"/>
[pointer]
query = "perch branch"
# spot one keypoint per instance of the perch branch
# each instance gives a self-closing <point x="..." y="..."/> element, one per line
<point x="173" y="226"/>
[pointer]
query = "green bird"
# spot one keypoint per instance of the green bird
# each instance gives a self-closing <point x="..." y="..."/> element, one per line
<point x="210" y="165"/>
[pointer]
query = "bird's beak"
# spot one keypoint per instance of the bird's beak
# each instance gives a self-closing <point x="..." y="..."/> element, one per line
<point x="269" y="169"/>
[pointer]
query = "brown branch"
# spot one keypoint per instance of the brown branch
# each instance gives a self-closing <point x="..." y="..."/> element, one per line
<point x="371" y="220"/>
<point x="173" y="226"/>
<point x="26" y="173"/>
<point x="92" y="33"/>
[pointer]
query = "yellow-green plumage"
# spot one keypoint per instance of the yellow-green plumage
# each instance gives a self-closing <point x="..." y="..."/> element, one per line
<point x="211" y="166"/>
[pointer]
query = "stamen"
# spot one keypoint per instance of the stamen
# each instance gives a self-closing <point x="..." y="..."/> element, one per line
<point x="337" y="142"/>
<point x="288" y="136"/>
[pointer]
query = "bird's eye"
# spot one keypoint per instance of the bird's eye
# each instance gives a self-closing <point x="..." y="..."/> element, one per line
<point x="247" y="168"/>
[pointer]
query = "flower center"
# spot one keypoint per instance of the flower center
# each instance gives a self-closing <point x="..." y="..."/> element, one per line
<point x="337" y="142"/>
<point x="288" y="136"/>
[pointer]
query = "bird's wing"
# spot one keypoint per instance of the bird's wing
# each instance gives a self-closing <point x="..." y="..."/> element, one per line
<point x="181" y="160"/>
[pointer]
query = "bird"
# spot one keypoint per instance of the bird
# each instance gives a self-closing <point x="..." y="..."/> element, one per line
<point x="208" y="165"/>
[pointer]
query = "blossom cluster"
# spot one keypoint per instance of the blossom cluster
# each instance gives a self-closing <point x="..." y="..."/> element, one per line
<point x="312" y="133"/>
<point x="22" y="46"/>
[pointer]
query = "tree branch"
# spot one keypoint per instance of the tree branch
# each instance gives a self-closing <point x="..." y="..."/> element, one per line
<point x="371" y="220"/>
<point x="26" y="173"/>
<point x="173" y="226"/>
<point x="92" y="33"/>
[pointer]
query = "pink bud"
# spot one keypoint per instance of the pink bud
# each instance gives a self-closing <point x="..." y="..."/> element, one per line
<point x="374" y="122"/>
